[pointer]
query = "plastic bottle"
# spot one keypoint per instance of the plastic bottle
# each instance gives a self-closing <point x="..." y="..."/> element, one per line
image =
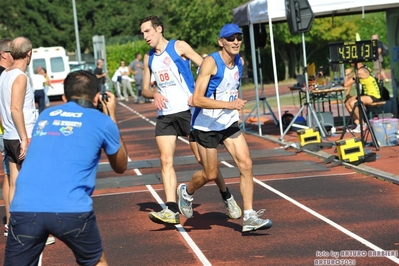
<point x="333" y="131"/>
<point x="335" y="78"/>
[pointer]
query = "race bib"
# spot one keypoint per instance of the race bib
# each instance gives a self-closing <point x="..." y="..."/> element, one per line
<point x="165" y="77"/>
<point x="230" y="96"/>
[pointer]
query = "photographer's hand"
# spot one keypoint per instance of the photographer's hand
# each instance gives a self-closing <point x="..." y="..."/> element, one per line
<point x="109" y="106"/>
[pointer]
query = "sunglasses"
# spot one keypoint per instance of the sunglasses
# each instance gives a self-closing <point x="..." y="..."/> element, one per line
<point x="233" y="37"/>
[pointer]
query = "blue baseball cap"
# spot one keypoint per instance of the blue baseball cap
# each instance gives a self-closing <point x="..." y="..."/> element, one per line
<point x="228" y="30"/>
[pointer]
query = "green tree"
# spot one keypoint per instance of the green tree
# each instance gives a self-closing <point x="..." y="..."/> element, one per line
<point x="199" y="22"/>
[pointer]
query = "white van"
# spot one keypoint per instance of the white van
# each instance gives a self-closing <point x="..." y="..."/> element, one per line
<point x="55" y="61"/>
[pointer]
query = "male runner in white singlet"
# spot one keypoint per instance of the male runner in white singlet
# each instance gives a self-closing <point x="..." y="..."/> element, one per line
<point x="169" y="62"/>
<point x="215" y="121"/>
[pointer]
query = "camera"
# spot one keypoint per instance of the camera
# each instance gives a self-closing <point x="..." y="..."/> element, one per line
<point x="104" y="97"/>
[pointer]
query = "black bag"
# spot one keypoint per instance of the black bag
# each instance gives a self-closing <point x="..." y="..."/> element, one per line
<point x="385" y="94"/>
<point x="383" y="91"/>
<point x="119" y="79"/>
<point x="385" y="49"/>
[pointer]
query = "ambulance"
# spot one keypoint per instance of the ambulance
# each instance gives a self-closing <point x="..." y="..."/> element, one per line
<point x="55" y="61"/>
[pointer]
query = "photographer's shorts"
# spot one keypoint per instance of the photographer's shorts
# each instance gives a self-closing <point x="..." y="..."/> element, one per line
<point x="173" y="125"/>
<point x="28" y="233"/>
<point x="211" y="139"/>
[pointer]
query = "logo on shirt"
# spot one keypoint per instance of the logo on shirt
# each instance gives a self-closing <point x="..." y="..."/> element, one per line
<point x="65" y="114"/>
<point x="236" y="76"/>
<point x="67" y="123"/>
<point x="167" y="60"/>
<point x="66" y="131"/>
<point x="56" y="112"/>
<point x="40" y="126"/>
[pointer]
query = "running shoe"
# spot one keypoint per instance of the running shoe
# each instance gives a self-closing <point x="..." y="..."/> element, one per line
<point x="165" y="216"/>
<point x="184" y="202"/>
<point x="50" y="240"/>
<point x="254" y="223"/>
<point x="5" y="230"/>
<point x="233" y="210"/>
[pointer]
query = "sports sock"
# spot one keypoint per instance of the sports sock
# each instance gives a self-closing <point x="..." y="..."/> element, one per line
<point x="187" y="195"/>
<point x="247" y="213"/>
<point x="225" y="195"/>
<point x="172" y="206"/>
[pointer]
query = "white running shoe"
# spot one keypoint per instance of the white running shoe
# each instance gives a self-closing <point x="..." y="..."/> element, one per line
<point x="254" y="223"/>
<point x="233" y="210"/>
<point x="185" y="204"/>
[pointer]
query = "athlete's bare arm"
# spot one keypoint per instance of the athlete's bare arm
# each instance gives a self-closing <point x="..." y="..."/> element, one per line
<point x="185" y="51"/>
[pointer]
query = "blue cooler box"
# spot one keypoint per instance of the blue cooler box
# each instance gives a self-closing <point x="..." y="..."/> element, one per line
<point x="385" y="131"/>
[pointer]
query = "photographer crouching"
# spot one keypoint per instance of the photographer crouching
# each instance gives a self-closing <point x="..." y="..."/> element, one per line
<point x="55" y="184"/>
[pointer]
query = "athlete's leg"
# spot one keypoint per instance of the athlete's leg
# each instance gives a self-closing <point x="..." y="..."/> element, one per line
<point x="238" y="149"/>
<point x="209" y="159"/>
<point x="167" y="146"/>
<point x="219" y="180"/>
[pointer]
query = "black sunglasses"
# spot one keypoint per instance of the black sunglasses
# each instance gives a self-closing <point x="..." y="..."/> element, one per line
<point x="233" y="37"/>
<point x="6" y="51"/>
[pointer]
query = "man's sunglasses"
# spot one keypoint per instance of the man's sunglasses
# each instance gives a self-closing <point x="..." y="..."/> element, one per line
<point x="233" y="37"/>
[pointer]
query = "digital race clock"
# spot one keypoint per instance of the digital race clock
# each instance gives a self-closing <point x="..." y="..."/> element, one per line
<point x="352" y="52"/>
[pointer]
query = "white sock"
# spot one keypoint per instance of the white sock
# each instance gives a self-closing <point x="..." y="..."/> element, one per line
<point x="186" y="195"/>
<point x="247" y="213"/>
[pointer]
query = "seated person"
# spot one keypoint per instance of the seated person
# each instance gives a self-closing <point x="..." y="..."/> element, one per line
<point x="370" y="91"/>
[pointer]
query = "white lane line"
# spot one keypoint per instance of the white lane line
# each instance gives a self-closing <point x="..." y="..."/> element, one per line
<point x="181" y="230"/>
<point x="179" y="227"/>
<point x="184" y="140"/>
<point x="227" y="164"/>
<point x="137" y="113"/>
<point x="328" y="221"/>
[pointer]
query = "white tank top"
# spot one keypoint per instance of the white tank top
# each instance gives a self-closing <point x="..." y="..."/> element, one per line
<point x="173" y="82"/>
<point x="7" y="78"/>
<point x="223" y="87"/>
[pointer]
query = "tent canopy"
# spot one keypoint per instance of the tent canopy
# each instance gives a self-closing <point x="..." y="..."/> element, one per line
<point x="259" y="11"/>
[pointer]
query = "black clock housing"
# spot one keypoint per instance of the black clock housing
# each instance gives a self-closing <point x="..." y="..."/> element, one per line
<point x="352" y="52"/>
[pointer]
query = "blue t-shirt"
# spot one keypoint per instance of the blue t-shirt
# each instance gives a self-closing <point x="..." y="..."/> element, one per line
<point x="59" y="172"/>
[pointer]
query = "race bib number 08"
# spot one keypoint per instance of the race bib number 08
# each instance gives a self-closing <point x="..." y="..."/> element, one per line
<point x="164" y="77"/>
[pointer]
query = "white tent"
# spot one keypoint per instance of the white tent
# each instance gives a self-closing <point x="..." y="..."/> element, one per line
<point x="269" y="11"/>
